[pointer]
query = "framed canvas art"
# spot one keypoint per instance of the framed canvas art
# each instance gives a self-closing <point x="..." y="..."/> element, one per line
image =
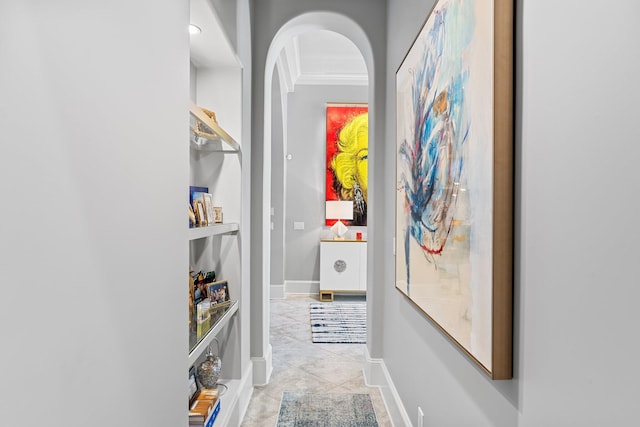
<point x="347" y="158"/>
<point x="454" y="177"/>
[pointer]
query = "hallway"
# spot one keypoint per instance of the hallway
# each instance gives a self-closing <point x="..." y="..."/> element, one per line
<point x="300" y="365"/>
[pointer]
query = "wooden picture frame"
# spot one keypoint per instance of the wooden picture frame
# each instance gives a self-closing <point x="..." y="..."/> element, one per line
<point x="454" y="177"/>
<point x="217" y="214"/>
<point x="219" y="294"/>
<point x="207" y="200"/>
<point x="201" y="215"/>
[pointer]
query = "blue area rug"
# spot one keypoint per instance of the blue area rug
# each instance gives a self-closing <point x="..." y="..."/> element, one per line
<point x="299" y="409"/>
<point x="338" y="322"/>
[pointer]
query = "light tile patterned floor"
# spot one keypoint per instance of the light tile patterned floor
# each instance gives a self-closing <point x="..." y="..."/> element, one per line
<point x="300" y="365"/>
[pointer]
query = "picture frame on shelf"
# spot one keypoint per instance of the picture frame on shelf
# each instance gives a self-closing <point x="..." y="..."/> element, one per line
<point x="192" y="217"/>
<point x="217" y="214"/>
<point x="196" y="192"/>
<point x="207" y="200"/>
<point x="219" y="294"/>
<point x="201" y="215"/>
<point x="194" y="387"/>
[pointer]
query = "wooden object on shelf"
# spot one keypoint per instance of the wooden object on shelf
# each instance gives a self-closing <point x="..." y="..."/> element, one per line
<point x="207" y="131"/>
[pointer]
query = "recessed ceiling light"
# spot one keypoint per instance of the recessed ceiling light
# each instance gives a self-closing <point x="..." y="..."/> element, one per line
<point x="194" y="29"/>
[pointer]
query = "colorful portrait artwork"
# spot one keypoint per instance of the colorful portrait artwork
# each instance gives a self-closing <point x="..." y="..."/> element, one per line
<point x="445" y="173"/>
<point x="347" y="158"/>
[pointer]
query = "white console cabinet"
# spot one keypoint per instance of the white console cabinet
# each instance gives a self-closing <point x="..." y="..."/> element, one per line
<point x="343" y="267"/>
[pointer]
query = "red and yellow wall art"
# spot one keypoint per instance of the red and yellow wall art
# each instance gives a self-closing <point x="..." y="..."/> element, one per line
<point x="347" y="158"/>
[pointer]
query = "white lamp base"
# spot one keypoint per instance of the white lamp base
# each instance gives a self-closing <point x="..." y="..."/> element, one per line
<point x="339" y="230"/>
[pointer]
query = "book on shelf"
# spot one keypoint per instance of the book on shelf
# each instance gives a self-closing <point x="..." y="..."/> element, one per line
<point x="208" y="420"/>
<point x="202" y="404"/>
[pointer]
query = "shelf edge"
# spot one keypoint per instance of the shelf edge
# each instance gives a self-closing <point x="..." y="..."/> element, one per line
<point x="196" y="233"/>
<point x="204" y="343"/>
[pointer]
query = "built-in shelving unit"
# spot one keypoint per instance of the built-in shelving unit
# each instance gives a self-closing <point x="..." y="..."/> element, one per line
<point x="216" y="162"/>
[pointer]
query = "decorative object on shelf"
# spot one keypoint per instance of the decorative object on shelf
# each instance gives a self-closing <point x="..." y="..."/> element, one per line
<point x="194" y="387"/>
<point x="192" y="289"/>
<point x="454" y="182"/>
<point x="203" y="316"/>
<point x="339" y="210"/>
<point x="200" y="284"/>
<point x="219" y="294"/>
<point x="195" y="193"/>
<point x="206" y="133"/>
<point x="209" y="277"/>
<point x="192" y="217"/>
<point x="204" y="130"/>
<point x="340" y="266"/>
<point x="346" y="162"/>
<point x="201" y="215"/>
<point x="207" y="201"/>
<point x="217" y="214"/>
<point x="201" y="126"/>
<point x="208" y="371"/>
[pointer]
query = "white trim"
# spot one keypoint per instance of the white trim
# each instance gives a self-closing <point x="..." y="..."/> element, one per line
<point x="377" y="375"/>
<point x="291" y="58"/>
<point x="333" y="79"/>
<point x="301" y="287"/>
<point x="246" y="391"/>
<point x="286" y="81"/>
<point x="263" y="367"/>
<point x="277" y="291"/>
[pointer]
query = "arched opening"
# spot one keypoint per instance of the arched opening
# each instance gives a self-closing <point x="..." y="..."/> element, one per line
<point x="314" y="21"/>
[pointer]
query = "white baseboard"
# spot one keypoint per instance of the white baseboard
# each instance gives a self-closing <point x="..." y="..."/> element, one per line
<point x="276" y="291"/>
<point x="262" y="367"/>
<point x="301" y="287"/>
<point x="377" y="375"/>
<point x="246" y="391"/>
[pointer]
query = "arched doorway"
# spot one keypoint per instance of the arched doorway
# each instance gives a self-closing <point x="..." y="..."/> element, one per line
<point x="312" y="21"/>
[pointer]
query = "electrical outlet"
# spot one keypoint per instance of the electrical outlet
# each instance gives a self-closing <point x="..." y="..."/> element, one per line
<point x="298" y="225"/>
<point x="420" y="417"/>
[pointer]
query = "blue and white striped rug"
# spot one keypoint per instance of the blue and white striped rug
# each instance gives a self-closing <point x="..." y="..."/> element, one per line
<point x="333" y="322"/>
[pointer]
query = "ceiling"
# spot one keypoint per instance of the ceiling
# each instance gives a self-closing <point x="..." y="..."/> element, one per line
<point x="210" y="48"/>
<point x="312" y="58"/>
<point x="322" y="57"/>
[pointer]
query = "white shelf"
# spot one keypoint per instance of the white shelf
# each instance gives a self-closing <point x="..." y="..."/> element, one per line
<point x="208" y="338"/>
<point x="212" y="230"/>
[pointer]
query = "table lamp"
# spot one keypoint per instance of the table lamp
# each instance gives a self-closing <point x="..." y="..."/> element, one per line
<point x="339" y="209"/>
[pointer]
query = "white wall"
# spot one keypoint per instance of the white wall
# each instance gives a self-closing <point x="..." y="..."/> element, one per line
<point x="576" y="279"/>
<point x="305" y="175"/>
<point x="93" y="248"/>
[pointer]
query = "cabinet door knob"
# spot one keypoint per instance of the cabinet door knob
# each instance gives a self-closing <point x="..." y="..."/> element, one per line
<point x="340" y="266"/>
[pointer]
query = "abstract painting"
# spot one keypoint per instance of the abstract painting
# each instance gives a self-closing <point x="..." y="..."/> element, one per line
<point x="347" y="158"/>
<point x="454" y="177"/>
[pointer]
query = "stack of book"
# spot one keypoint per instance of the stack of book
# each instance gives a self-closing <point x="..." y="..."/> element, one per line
<point x="205" y="408"/>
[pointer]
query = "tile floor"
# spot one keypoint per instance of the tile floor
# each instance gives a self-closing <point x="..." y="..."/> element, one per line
<point x="300" y="365"/>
